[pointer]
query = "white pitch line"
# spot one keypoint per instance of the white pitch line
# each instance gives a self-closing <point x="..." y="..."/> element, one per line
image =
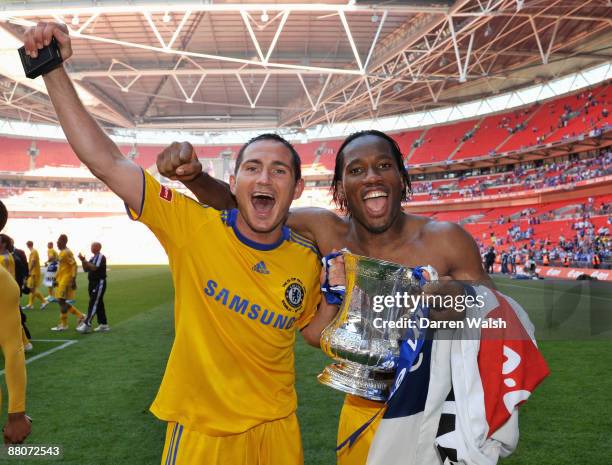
<point x="53" y="340"/>
<point x="66" y="343"/>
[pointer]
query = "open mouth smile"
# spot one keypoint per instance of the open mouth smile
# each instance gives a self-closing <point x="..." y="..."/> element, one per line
<point x="263" y="202"/>
<point x="376" y="202"/>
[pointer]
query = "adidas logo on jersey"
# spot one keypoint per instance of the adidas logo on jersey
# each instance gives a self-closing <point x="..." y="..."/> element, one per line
<point x="261" y="268"/>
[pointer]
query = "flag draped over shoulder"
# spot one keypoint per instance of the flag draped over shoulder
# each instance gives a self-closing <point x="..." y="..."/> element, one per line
<point x="459" y="402"/>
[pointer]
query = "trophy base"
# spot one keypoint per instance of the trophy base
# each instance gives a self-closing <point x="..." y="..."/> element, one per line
<point x="356" y="379"/>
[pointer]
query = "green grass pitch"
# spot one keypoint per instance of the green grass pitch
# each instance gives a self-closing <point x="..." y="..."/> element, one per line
<point x="93" y="396"/>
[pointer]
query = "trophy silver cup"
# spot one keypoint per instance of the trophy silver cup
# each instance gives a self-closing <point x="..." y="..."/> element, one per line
<point x="360" y="339"/>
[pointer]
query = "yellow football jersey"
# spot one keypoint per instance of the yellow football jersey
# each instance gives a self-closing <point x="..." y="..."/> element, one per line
<point x="67" y="268"/>
<point x="11" y="343"/>
<point x="237" y="305"/>
<point x="8" y="262"/>
<point x="34" y="262"/>
<point x="51" y="255"/>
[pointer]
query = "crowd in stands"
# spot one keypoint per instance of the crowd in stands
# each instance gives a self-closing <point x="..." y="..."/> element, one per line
<point x="581" y="114"/>
<point x="557" y="120"/>
<point x="522" y="177"/>
<point x="588" y="246"/>
<point x="590" y="103"/>
<point x="583" y="241"/>
<point x="518" y="123"/>
<point x="566" y="172"/>
<point x="589" y="113"/>
<point x="17" y="186"/>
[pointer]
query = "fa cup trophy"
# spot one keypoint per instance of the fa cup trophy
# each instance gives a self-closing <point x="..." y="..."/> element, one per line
<point x="366" y="335"/>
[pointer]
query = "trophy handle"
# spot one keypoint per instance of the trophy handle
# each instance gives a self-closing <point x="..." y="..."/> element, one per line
<point x="350" y="263"/>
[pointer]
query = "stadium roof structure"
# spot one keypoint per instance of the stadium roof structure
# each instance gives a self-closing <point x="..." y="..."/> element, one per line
<point x="214" y="65"/>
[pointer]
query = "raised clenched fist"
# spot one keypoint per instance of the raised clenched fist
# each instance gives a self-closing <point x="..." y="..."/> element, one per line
<point x="179" y="162"/>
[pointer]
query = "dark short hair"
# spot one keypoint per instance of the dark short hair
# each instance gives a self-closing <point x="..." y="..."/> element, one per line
<point x="3" y="215"/>
<point x="63" y="236"/>
<point x="7" y="241"/>
<point x="295" y="158"/>
<point x="340" y="200"/>
<point x="30" y="244"/>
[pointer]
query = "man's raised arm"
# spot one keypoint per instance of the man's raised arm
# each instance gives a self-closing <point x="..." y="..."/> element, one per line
<point x="91" y="145"/>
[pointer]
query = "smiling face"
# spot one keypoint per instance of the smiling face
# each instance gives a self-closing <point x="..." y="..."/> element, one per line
<point x="265" y="186"/>
<point x="371" y="183"/>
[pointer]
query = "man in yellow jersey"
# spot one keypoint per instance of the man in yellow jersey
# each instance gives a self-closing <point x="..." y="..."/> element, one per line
<point x="66" y="284"/>
<point x="52" y="254"/>
<point x="243" y="284"/>
<point x="33" y="280"/>
<point x="17" y="269"/>
<point x="50" y="272"/>
<point x="18" y="426"/>
<point x="370" y="181"/>
<point x="7" y="260"/>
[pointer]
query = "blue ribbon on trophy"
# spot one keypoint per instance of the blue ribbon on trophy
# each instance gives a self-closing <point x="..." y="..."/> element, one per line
<point x="333" y="294"/>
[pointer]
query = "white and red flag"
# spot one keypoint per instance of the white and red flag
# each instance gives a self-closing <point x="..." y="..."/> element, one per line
<point x="459" y="403"/>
